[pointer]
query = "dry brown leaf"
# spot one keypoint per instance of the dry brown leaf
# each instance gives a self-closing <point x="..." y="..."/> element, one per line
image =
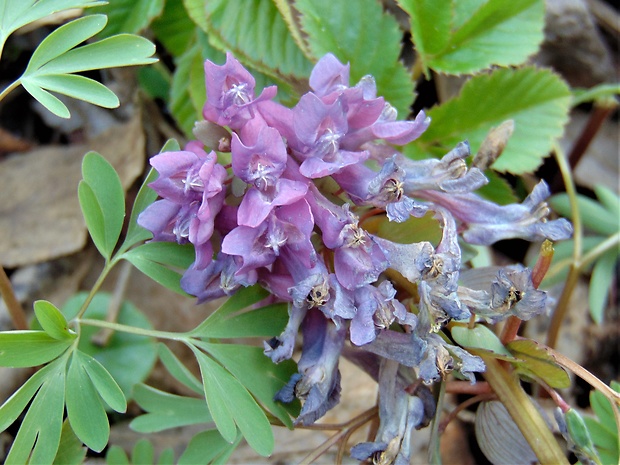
<point x="40" y="217"/>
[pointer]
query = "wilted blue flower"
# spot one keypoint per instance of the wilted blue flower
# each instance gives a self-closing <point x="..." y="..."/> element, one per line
<point x="319" y="383"/>
<point x="487" y="222"/>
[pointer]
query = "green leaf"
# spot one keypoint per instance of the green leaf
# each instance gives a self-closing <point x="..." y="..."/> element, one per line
<point x="604" y="409"/>
<point x="116" y="456"/>
<point x="482" y="339"/>
<point x="84" y="407"/>
<point x="180" y="372"/>
<point x="131" y="16"/>
<point x="231" y="404"/>
<point x="537" y="100"/>
<point x="103" y="202"/>
<point x="259" y="374"/>
<point x="64" y="39"/>
<point x="594" y="216"/>
<point x="15" y="405"/>
<point x="601" y="282"/>
<point x="174" y="28"/>
<point x="599" y="93"/>
<point x="129" y="358"/>
<point x="113" y="52"/>
<point x="16" y="14"/>
<point x="55" y="59"/>
<point x="52" y="321"/>
<point x="239" y="301"/>
<point x="266" y="321"/>
<point x="78" y="87"/>
<point x="609" y="199"/>
<point x="208" y="447"/>
<point x="143" y="452"/>
<point x="30" y="348"/>
<point x="70" y="450"/>
<point x="39" y="435"/>
<point x="535" y="360"/>
<point x="145" y="197"/>
<point x="91" y="210"/>
<point x="148" y="259"/>
<point x="481" y="33"/>
<point x="409" y="231"/>
<point x="364" y="36"/>
<point x="102" y="380"/>
<point x="255" y="32"/>
<point x="165" y="411"/>
<point x="166" y="457"/>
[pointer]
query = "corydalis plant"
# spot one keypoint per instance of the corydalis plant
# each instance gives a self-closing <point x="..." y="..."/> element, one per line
<point x="288" y="212"/>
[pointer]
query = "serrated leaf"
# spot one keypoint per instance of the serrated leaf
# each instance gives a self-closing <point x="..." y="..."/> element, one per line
<point x="71" y="451"/>
<point x="364" y="36"/>
<point x="266" y="321"/>
<point x="174" y="28"/>
<point x="52" y="321"/>
<point x="255" y="32"/>
<point x="102" y="380"/>
<point x="480" y="338"/>
<point x="482" y="33"/>
<point x="176" y="368"/>
<point x="602" y="278"/>
<point x="128" y="358"/>
<point x="132" y="16"/>
<point x="16" y="14"/>
<point x="39" y="435"/>
<point x="17" y="402"/>
<point x="231" y="404"/>
<point x="84" y="407"/>
<point x="103" y="202"/>
<point x="249" y="364"/>
<point x="165" y="410"/>
<point x="240" y="300"/>
<point x="207" y="447"/>
<point x="535" y="360"/>
<point x="181" y="104"/>
<point x="29" y="348"/>
<point x="537" y="100"/>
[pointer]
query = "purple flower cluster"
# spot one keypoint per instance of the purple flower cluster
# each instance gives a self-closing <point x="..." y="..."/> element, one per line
<point x="285" y="212"/>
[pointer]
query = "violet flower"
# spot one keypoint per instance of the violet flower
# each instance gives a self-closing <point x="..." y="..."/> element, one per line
<point x="230" y="93"/>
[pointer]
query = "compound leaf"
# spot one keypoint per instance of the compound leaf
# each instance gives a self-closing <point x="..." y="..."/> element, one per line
<point x="29" y="348"/>
<point x="84" y="407"/>
<point x="52" y="320"/>
<point x="130" y="16"/>
<point x="537" y="100"/>
<point x="364" y="36"/>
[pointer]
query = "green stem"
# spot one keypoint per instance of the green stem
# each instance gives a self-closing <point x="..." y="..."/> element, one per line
<point x="524" y="413"/>
<point x="599" y="250"/>
<point x="8" y="89"/>
<point x="133" y="330"/>
<point x="104" y="273"/>
<point x="573" y="272"/>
